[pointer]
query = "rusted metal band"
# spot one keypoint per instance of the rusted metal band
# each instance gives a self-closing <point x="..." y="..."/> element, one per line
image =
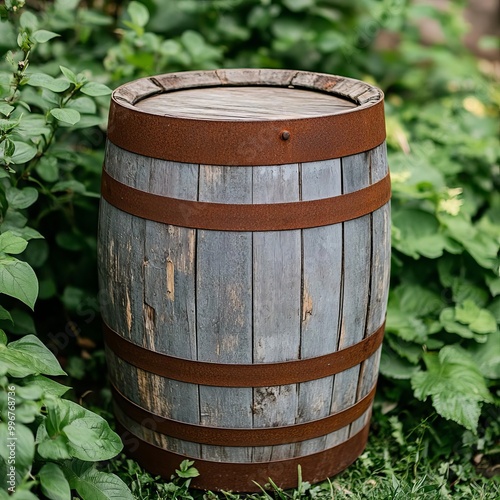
<point x="245" y="217"/>
<point x="240" y="477"/>
<point x="242" y="375"/>
<point x="225" y="142"/>
<point x="220" y="436"/>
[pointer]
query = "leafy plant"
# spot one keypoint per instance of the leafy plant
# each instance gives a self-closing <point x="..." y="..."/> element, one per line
<point x="53" y="444"/>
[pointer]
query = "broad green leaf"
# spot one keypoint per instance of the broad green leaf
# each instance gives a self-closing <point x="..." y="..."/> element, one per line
<point x="448" y="320"/>
<point x="138" y="13"/>
<point x="417" y="233"/>
<point x="42" y="36"/>
<point x="23" y="495"/>
<point x="95" y="485"/>
<point x="6" y="109"/>
<point x="83" y="105"/>
<point x="417" y="300"/>
<point x="53" y="448"/>
<point x="18" y="280"/>
<point x="21" y="198"/>
<point x="23" y="153"/>
<point x="47" y="168"/>
<point x="487" y="356"/>
<point x="10" y="243"/>
<point x="91" y="439"/>
<point x="95" y="89"/>
<point x="5" y="315"/>
<point x="297" y="5"/>
<point x="29" y="356"/>
<point x="3" y="338"/>
<point x="23" y="322"/>
<point x="28" y="20"/>
<point x="48" y="386"/>
<point x="455" y="384"/>
<point x="48" y="82"/>
<point x="66" y="115"/>
<point x="54" y="484"/>
<point x="494" y="285"/>
<point x="30" y="392"/>
<point x="393" y="366"/>
<point x="21" y="439"/>
<point x="479" y="320"/>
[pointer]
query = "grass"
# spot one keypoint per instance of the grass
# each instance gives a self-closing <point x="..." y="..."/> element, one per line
<point x="407" y="458"/>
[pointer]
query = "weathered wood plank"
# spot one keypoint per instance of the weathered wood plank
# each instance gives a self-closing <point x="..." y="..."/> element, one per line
<point x="245" y="103"/>
<point x="380" y="274"/>
<point x="276" y="303"/>
<point x="224" y="307"/>
<point x="322" y="271"/>
<point x="356" y="287"/>
<point x="169" y="301"/>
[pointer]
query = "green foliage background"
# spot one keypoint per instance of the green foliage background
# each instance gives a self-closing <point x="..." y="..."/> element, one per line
<point x="442" y="344"/>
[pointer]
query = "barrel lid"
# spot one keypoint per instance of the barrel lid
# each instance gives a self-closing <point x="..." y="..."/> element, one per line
<point x="246" y="117"/>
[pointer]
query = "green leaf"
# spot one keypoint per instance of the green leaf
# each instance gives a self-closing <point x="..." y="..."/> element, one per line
<point x="95" y="89"/>
<point x="49" y="387"/>
<point x="393" y="366"/>
<point x="83" y="105"/>
<point x="66" y="115"/>
<point x="5" y="315"/>
<point x="69" y="186"/>
<point x="3" y="338"/>
<point x="24" y="444"/>
<point x="479" y="320"/>
<point x="28" y="20"/>
<point x="455" y="384"/>
<point x="91" y="439"/>
<point x="417" y="233"/>
<point x="47" y="169"/>
<point x="6" y="109"/>
<point x="487" y="356"/>
<point x="54" y="483"/>
<point x="10" y="243"/>
<point x="21" y="198"/>
<point x="70" y="75"/>
<point x="23" y="322"/>
<point x="23" y="153"/>
<point x="48" y="82"/>
<point x="29" y="356"/>
<point x="42" y="36"/>
<point x="18" y="280"/>
<point x="138" y="13"/>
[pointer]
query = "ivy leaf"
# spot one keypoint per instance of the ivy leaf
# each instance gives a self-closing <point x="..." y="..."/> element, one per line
<point x="29" y="356"/>
<point x="66" y="115"/>
<point x="10" y="243"/>
<point x="454" y="383"/>
<point x="42" y="36"/>
<point x="48" y="82"/>
<point x="95" y="89"/>
<point x="54" y="484"/>
<point x="18" y="280"/>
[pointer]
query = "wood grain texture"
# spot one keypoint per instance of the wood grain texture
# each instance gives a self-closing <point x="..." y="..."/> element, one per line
<point x="236" y="297"/>
<point x="380" y="275"/>
<point x="245" y="103"/>
<point x="276" y="303"/>
<point x="355" y="287"/>
<point x="224" y="307"/>
<point x="321" y="288"/>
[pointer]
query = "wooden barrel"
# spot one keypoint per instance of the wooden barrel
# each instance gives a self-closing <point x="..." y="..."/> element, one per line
<point x="244" y="245"/>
